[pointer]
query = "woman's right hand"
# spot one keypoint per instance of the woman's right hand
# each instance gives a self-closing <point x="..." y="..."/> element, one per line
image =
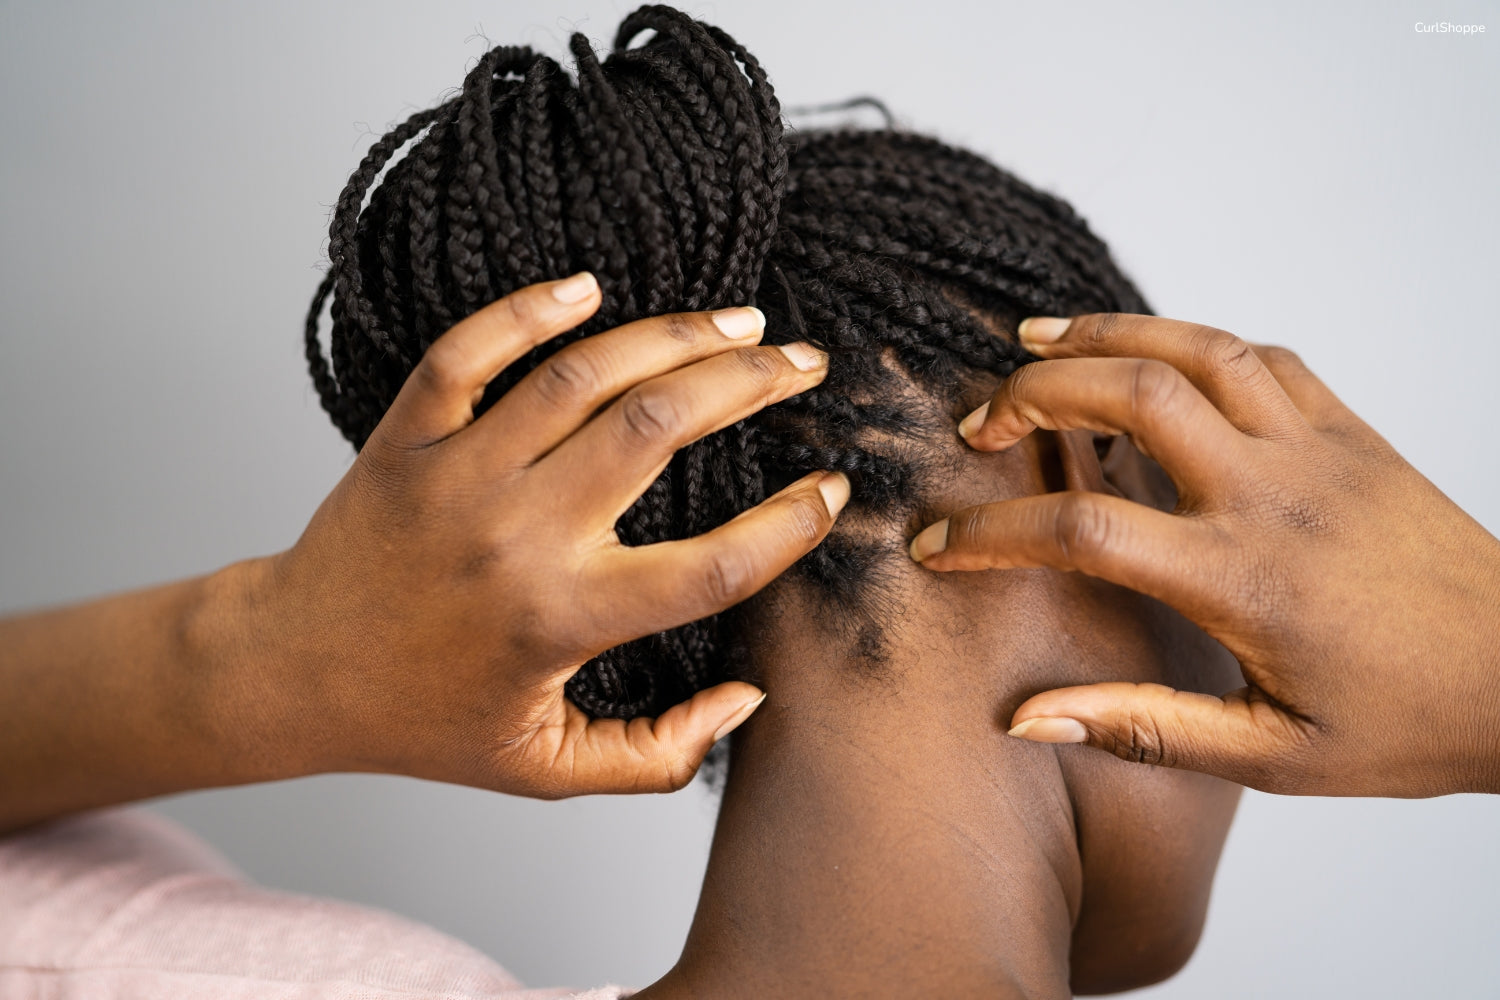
<point x="464" y="569"/>
<point x="1362" y="604"/>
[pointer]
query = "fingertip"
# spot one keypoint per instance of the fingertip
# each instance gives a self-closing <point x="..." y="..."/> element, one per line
<point x="738" y="716"/>
<point x="575" y="289"/>
<point x="1039" y="331"/>
<point x="970" y="425"/>
<point x="1054" y="729"/>
<point x="805" y="357"/>
<point x="930" y="541"/>
<point x="743" y="323"/>
<point x="834" y="486"/>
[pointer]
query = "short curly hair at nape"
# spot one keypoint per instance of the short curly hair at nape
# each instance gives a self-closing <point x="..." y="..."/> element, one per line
<point x="666" y="170"/>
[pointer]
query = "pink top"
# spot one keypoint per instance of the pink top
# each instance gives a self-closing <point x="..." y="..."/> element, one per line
<point x="124" y="905"/>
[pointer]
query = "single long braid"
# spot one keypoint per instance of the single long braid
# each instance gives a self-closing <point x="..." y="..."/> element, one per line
<point x="664" y="169"/>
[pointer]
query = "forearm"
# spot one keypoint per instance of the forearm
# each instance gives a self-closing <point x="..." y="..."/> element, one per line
<point x="140" y="694"/>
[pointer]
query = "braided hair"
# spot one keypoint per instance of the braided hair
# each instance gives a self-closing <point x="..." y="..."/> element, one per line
<point x="666" y="170"/>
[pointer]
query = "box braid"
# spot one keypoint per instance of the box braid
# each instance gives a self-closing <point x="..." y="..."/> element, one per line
<point x="666" y="172"/>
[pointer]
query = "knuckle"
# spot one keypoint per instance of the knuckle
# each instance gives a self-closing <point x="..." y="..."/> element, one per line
<point x="759" y="366"/>
<point x="679" y="327"/>
<point x="1155" y="388"/>
<point x="521" y="308"/>
<point x="727" y="579"/>
<point x="383" y="479"/>
<point x="807" y="518"/>
<point x="443" y="369"/>
<point x="968" y="529"/>
<point x="1139" y="740"/>
<point x="570" y="378"/>
<point x="1222" y="356"/>
<point x="649" y="416"/>
<point x="1082" y="529"/>
<point x="1100" y="330"/>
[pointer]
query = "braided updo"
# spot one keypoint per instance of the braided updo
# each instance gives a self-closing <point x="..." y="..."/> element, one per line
<point x="666" y="172"/>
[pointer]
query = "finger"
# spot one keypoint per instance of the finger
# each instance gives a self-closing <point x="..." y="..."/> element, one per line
<point x="568" y="388"/>
<point x="583" y="756"/>
<point x="1316" y="402"/>
<point x="1243" y="737"/>
<point x="1225" y="369"/>
<point x="651" y="588"/>
<point x="439" y="396"/>
<point x="622" y="450"/>
<point x="1175" y="559"/>
<point x="1164" y="414"/>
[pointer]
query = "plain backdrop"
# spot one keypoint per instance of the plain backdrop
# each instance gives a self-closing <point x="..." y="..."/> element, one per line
<point x="1322" y="176"/>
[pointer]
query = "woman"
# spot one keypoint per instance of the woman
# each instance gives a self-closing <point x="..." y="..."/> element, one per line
<point x="937" y="853"/>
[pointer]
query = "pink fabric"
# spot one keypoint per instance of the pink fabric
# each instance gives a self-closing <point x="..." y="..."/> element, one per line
<point x="123" y="905"/>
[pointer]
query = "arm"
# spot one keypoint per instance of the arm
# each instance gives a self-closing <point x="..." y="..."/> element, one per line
<point x="429" y="617"/>
<point x="136" y="695"/>
<point x="1360" y="601"/>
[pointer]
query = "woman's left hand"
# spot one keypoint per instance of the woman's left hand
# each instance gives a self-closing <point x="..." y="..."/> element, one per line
<point x="1359" y="600"/>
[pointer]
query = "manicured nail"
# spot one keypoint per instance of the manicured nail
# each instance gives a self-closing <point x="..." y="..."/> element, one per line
<point x="835" y="489"/>
<point x="734" y="720"/>
<point x="740" y="323"/>
<point x="805" y="356"/>
<point x="575" y="289"/>
<point x="932" y="540"/>
<point x="1052" y="730"/>
<point x="1041" y="329"/>
<point x="970" y="424"/>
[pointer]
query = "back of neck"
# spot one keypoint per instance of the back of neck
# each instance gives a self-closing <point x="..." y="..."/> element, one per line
<point x="881" y="836"/>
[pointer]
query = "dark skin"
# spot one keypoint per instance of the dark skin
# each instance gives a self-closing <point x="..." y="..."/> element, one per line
<point x="1359" y="600"/>
<point x="881" y="834"/>
<point x="1366" y="638"/>
<point x="428" y="618"/>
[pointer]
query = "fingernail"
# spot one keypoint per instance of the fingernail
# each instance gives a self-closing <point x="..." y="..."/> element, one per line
<point x="733" y="722"/>
<point x="575" y="289"/>
<point x="835" y="489"/>
<point x="932" y="540"/>
<point x="1052" y="730"/>
<point x="973" y="422"/>
<point x="1041" y="329"/>
<point x="740" y="323"/>
<point x="805" y="356"/>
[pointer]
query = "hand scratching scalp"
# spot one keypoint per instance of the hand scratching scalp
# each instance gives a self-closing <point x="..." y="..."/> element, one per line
<point x="665" y="170"/>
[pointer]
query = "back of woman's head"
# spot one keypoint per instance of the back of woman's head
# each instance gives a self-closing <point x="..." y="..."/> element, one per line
<point x="665" y="170"/>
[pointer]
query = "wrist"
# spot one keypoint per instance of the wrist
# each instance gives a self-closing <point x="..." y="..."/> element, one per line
<point x="245" y="695"/>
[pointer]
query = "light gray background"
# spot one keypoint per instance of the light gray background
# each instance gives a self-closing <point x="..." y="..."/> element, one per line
<point x="1320" y="176"/>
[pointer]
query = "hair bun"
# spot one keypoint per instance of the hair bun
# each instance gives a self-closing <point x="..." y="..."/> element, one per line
<point x="660" y="170"/>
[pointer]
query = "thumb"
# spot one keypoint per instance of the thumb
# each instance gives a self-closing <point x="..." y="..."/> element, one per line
<point x="660" y="754"/>
<point x="1244" y="736"/>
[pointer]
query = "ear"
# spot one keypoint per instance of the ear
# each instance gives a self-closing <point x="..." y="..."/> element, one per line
<point x="1135" y="476"/>
<point x="1080" y="460"/>
<point x="1104" y="464"/>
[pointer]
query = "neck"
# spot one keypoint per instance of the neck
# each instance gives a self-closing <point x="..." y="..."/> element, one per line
<point x="881" y="836"/>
